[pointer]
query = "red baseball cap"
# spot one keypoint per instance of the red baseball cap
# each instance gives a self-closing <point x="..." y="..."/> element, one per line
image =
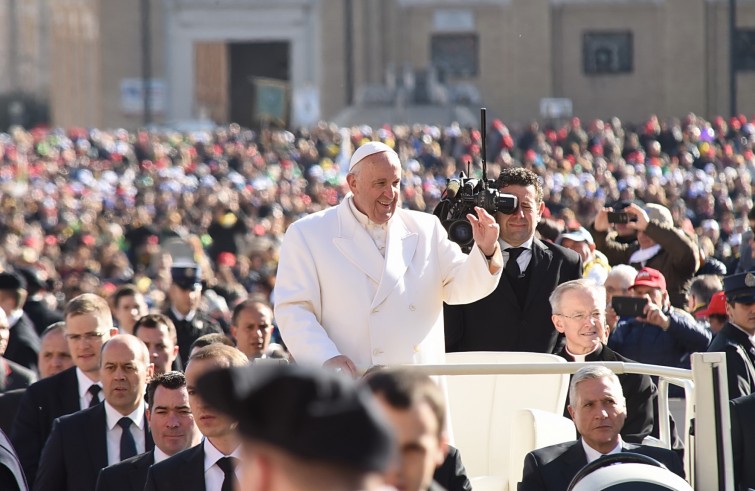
<point x="717" y="306"/>
<point x="650" y="277"/>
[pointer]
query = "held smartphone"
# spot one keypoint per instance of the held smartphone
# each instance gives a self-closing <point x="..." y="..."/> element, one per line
<point x="621" y="217"/>
<point x="629" y="306"/>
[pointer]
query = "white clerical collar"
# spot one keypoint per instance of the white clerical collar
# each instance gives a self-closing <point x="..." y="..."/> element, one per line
<point x="188" y="317"/>
<point x="593" y="454"/>
<point x="580" y="358"/>
<point x="642" y="256"/>
<point x="14" y="317"/>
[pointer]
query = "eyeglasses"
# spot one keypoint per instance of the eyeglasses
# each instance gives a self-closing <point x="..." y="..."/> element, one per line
<point x="583" y="316"/>
<point x="87" y="336"/>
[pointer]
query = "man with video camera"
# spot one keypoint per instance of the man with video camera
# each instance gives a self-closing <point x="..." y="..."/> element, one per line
<point x="517" y="315"/>
<point x="661" y="334"/>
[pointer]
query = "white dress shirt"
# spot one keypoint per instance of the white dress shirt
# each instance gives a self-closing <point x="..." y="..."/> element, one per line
<point x="524" y="258"/>
<point x="112" y="416"/>
<point x="213" y="475"/>
<point x="160" y="455"/>
<point x="85" y="397"/>
<point x="377" y="232"/>
<point x="593" y="455"/>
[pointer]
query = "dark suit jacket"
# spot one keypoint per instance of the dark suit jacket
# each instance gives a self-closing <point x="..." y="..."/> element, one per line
<point x="498" y="323"/>
<point x="552" y="468"/>
<point x="41" y="317"/>
<point x="188" y="332"/>
<point x="76" y="451"/>
<point x="640" y="393"/>
<point x="11" y="475"/>
<point x="14" y="376"/>
<point x="451" y="474"/>
<point x="42" y="402"/>
<point x="181" y="472"/>
<point x="23" y="343"/>
<point x="9" y="402"/>
<point x="743" y="441"/>
<point x="739" y="359"/>
<point x="128" y="475"/>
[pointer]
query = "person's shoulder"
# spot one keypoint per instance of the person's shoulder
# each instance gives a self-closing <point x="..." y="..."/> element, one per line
<point x="176" y="461"/>
<point x="682" y="315"/>
<point x="547" y="454"/>
<point x="313" y="219"/>
<point x="52" y="383"/>
<point x="21" y="371"/>
<point x="126" y="466"/>
<point x="744" y="404"/>
<point x="79" y="417"/>
<point x="559" y="251"/>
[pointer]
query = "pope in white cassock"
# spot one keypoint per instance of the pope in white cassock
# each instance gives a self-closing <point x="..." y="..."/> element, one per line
<point x="363" y="283"/>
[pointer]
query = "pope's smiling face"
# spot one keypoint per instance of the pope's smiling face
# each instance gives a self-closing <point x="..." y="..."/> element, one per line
<point x="374" y="182"/>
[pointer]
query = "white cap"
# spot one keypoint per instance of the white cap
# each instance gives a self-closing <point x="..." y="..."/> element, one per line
<point x="369" y="148"/>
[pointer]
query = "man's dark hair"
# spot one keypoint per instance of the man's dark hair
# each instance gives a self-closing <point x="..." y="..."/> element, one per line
<point x="705" y="286"/>
<point x="127" y="290"/>
<point x="208" y="339"/>
<point x="154" y="321"/>
<point x="248" y="304"/>
<point x="751" y="214"/>
<point x="169" y="380"/>
<point x="548" y="229"/>
<point x="402" y="388"/>
<point x="519" y="176"/>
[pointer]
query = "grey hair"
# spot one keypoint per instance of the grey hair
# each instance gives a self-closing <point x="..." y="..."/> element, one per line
<point x="623" y="272"/>
<point x="598" y="292"/>
<point x="592" y="372"/>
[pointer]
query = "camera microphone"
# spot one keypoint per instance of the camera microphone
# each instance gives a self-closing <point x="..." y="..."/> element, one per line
<point x="453" y="188"/>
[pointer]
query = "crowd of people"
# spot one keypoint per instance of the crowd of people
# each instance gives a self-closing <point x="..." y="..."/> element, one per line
<point x="195" y="252"/>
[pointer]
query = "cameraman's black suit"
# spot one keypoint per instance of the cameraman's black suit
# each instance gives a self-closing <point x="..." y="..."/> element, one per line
<point x="499" y="323"/>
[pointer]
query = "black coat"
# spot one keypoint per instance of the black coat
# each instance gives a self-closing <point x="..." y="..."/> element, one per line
<point x="76" y="451"/>
<point x="740" y="359"/>
<point x="128" y="475"/>
<point x="188" y="331"/>
<point x="14" y="376"/>
<point x="498" y="323"/>
<point x="743" y="441"/>
<point x="181" y="472"/>
<point x="23" y="344"/>
<point x="451" y="474"/>
<point x="42" y="402"/>
<point x="552" y="468"/>
<point x="41" y="317"/>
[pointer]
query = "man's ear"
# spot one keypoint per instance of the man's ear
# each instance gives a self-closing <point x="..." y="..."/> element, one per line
<point x="443" y="449"/>
<point x="571" y="411"/>
<point x="557" y="323"/>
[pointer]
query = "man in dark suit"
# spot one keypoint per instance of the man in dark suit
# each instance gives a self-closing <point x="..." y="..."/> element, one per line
<point x="12" y="375"/>
<point x="81" y="444"/>
<point x="23" y="343"/>
<point x="185" y="294"/>
<point x="35" y="306"/>
<point x="516" y="316"/>
<point x="88" y="325"/>
<point x="735" y="338"/>
<point x="743" y="441"/>
<point x="331" y="436"/>
<point x="598" y="409"/>
<point x="187" y="471"/>
<point x="173" y="430"/>
<point x="416" y="409"/>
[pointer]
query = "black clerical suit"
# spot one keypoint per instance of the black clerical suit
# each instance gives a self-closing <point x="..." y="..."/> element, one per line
<point x="639" y="391"/>
<point x="740" y="359"/>
<point x="552" y="468"/>
<point x="42" y="402"/>
<point x="503" y="322"/>
<point x="77" y="450"/>
<point x="128" y="475"/>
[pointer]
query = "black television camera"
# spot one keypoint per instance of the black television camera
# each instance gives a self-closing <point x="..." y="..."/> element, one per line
<point x="464" y="193"/>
